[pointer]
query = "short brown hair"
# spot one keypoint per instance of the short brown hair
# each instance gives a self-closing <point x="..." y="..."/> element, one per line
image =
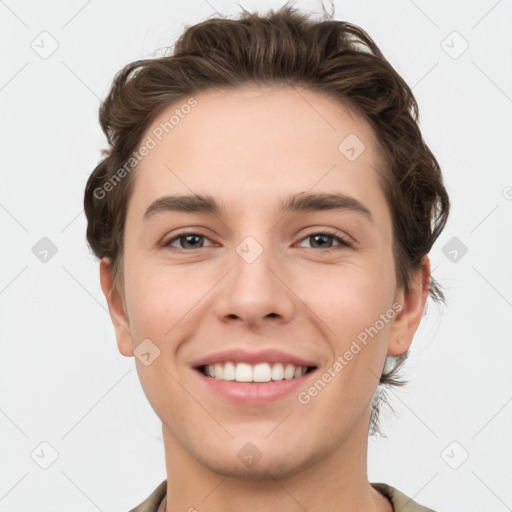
<point x="283" y="47"/>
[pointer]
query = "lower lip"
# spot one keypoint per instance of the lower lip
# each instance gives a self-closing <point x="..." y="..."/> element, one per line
<point x="254" y="392"/>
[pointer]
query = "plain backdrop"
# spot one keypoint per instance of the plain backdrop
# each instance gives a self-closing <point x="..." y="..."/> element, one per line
<point x="76" y="431"/>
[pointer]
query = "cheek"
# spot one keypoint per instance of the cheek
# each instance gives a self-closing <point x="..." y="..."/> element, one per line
<point x="356" y="307"/>
<point x="156" y="298"/>
<point x="166" y="303"/>
<point x="350" y="299"/>
<point x="160" y="305"/>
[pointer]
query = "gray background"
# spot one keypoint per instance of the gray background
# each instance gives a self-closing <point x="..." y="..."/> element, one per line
<point x="63" y="382"/>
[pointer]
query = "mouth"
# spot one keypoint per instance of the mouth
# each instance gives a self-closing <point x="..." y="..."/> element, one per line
<point x="248" y="378"/>
<point x="247" y="373"/>
<point x="250" y="385"/>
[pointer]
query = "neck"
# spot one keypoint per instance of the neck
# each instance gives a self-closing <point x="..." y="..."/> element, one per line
<point x="336" y="482"/>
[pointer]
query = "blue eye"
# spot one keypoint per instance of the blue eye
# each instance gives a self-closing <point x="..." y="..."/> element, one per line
<point x="191" y="241"/>
<point x="319" y="238"/>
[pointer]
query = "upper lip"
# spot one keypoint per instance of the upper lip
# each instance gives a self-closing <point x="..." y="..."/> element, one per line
<point x="238" y="355"/>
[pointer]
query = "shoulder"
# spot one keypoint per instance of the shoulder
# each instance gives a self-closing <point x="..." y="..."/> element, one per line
<point x="400" y="501"/>
<point x="153" y="501"/>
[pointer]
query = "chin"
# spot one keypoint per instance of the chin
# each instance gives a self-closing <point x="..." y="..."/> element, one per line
<point x="277" y="467"/>
<point x="261" y="460"/>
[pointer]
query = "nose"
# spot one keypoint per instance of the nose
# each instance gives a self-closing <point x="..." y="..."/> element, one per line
<point x="255" y="292"/>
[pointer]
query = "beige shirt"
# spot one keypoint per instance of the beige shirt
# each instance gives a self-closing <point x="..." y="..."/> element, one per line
<point x="401" y="503"/>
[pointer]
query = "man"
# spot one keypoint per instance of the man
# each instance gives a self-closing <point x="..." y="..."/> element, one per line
<point x="263" y="219"/>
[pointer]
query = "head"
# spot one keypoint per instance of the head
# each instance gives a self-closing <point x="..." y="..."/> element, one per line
<point x="241" y="116"/>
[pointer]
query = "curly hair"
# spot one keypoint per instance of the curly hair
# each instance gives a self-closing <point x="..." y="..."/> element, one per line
<point x="283" y="47"/>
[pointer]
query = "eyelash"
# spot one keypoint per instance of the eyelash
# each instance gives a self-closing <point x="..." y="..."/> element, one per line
<point x="343" y="242"/>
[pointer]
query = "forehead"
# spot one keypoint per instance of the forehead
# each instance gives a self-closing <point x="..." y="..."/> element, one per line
<point x="255" y="140"/>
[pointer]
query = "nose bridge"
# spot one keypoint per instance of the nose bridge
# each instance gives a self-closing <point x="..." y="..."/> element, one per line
<point x="253" y="290"/>
<point x="252" y="260"/>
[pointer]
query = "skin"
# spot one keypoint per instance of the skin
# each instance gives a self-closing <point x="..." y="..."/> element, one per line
<point x="249" y="149"/>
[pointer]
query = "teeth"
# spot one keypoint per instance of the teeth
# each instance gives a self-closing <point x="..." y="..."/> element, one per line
<point x="289" y="371"/>
<point x="277" y="372"/>
<point x="243" y="372"/>
<point x="229" y="371"/>
<point x="261" y="372"/>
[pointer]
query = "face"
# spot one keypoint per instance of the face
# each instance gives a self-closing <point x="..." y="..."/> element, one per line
<point x="280" y="259"/>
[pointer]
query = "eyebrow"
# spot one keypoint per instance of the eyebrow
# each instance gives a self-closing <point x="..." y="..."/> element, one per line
<point x="301" y="202"/>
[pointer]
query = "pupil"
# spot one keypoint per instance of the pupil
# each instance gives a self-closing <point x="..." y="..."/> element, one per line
<point x="187" y="237"/>
<point x="316" y="237"/>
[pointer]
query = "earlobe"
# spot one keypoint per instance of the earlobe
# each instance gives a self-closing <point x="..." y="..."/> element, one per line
<point x="413" y="303"/>
<point x="116" y="309"/>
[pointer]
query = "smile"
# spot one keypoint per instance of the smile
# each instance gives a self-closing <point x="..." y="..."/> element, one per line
<point x="261" y="372"/>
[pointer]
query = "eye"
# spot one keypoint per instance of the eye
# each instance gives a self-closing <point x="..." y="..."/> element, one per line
<point x="187" y="241"/>
<point x="323" y="240"/>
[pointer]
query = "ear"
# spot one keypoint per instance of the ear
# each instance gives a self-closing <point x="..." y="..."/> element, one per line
<point x="406" y="323"/>
<point x="116" y="309"/>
